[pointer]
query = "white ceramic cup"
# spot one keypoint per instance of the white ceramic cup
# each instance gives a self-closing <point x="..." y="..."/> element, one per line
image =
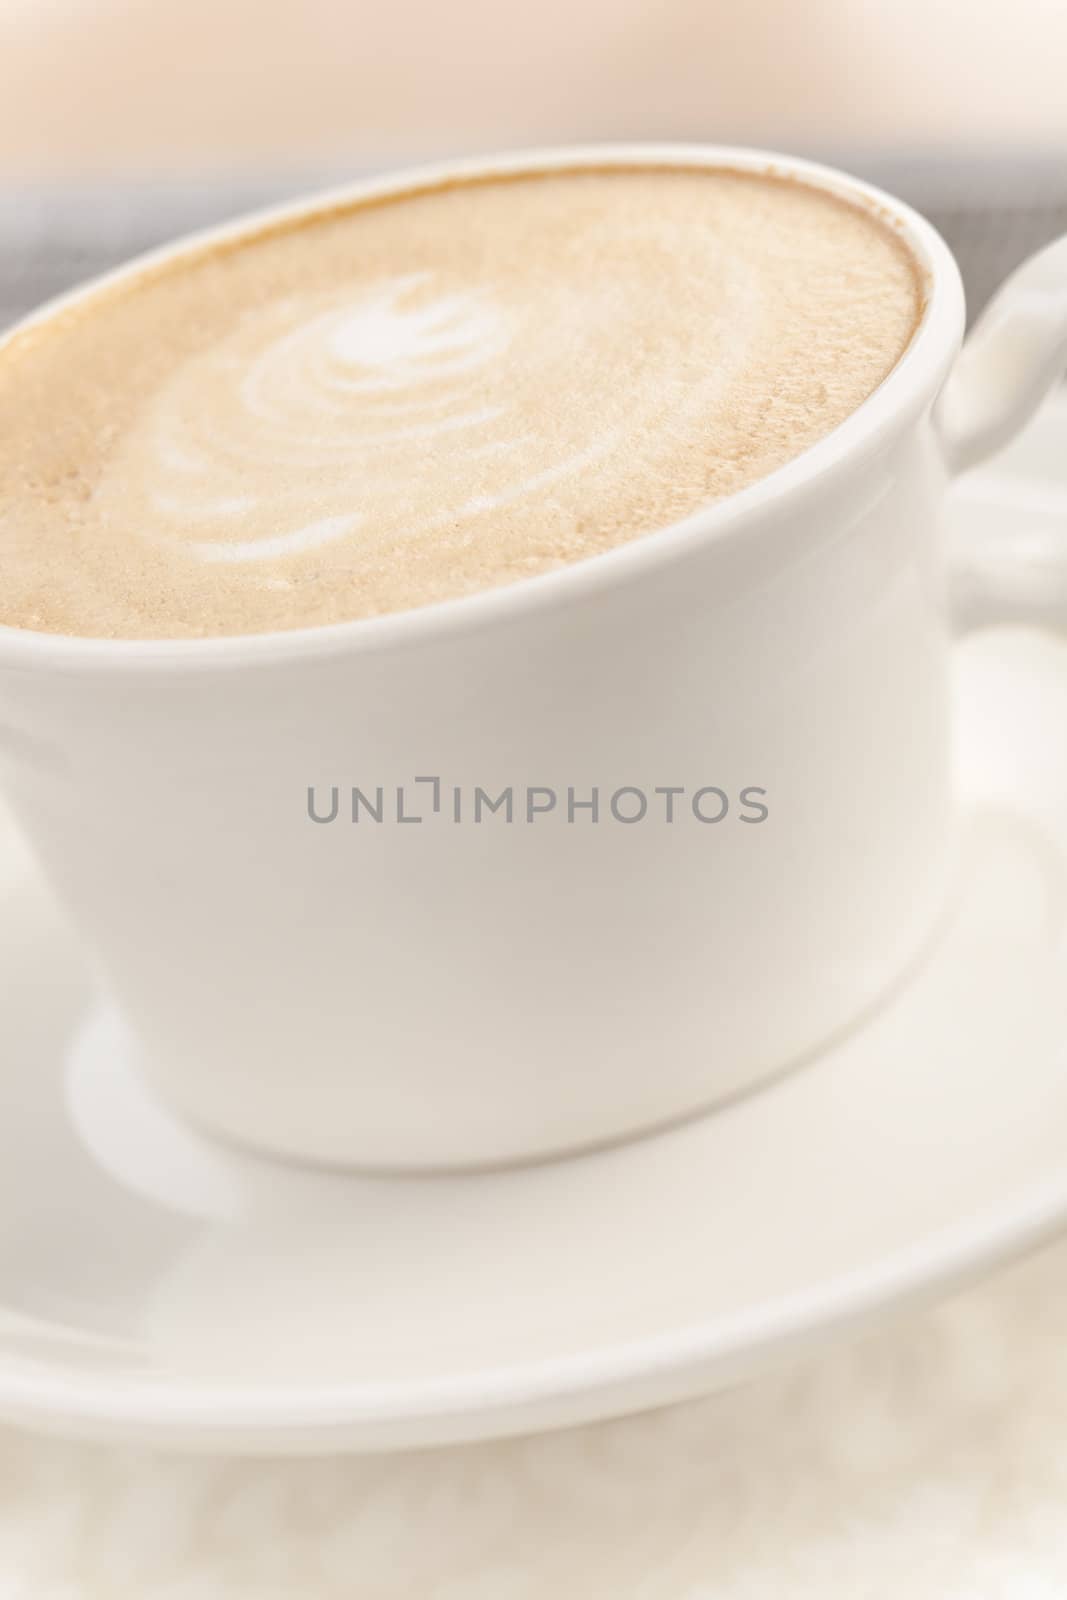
<point x="445" y="993"/>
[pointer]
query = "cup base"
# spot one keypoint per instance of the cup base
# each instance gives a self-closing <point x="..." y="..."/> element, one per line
<point x="141" y="1131"/>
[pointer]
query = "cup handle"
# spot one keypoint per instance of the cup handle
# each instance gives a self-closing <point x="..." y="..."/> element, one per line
<point x="1014" y="355"/>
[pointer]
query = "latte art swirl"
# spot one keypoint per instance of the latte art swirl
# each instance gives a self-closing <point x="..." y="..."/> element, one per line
<point x="414" y="400"/>
<point x="335" y="394"/>
<point x="396" y="409"/>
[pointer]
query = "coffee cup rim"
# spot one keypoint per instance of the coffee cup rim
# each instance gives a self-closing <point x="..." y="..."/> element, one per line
<point x="910" y="386"/>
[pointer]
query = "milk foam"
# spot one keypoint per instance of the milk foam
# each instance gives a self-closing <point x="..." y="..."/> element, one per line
<point x="456" y="391"/>
<point x="344" y="394"/>
<point x="306" y="426"/>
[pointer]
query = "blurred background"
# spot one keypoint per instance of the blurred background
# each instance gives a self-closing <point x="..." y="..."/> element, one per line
<point x="124" y="122"/>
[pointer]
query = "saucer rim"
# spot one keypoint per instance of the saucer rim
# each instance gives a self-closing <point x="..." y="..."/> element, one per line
<point x="555" y="1392"/>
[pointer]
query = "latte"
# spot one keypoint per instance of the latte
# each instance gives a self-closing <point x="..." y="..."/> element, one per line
<point x="413" y="399"/>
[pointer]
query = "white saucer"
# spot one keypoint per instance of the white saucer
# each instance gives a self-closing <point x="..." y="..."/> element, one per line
<point x="156" y="1287"/>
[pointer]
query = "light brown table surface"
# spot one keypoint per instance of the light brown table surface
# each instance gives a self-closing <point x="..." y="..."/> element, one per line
<point x="113" y="86"/>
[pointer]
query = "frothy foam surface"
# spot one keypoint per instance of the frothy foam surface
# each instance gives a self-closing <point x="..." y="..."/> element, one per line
<point x="416" y="399"/>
